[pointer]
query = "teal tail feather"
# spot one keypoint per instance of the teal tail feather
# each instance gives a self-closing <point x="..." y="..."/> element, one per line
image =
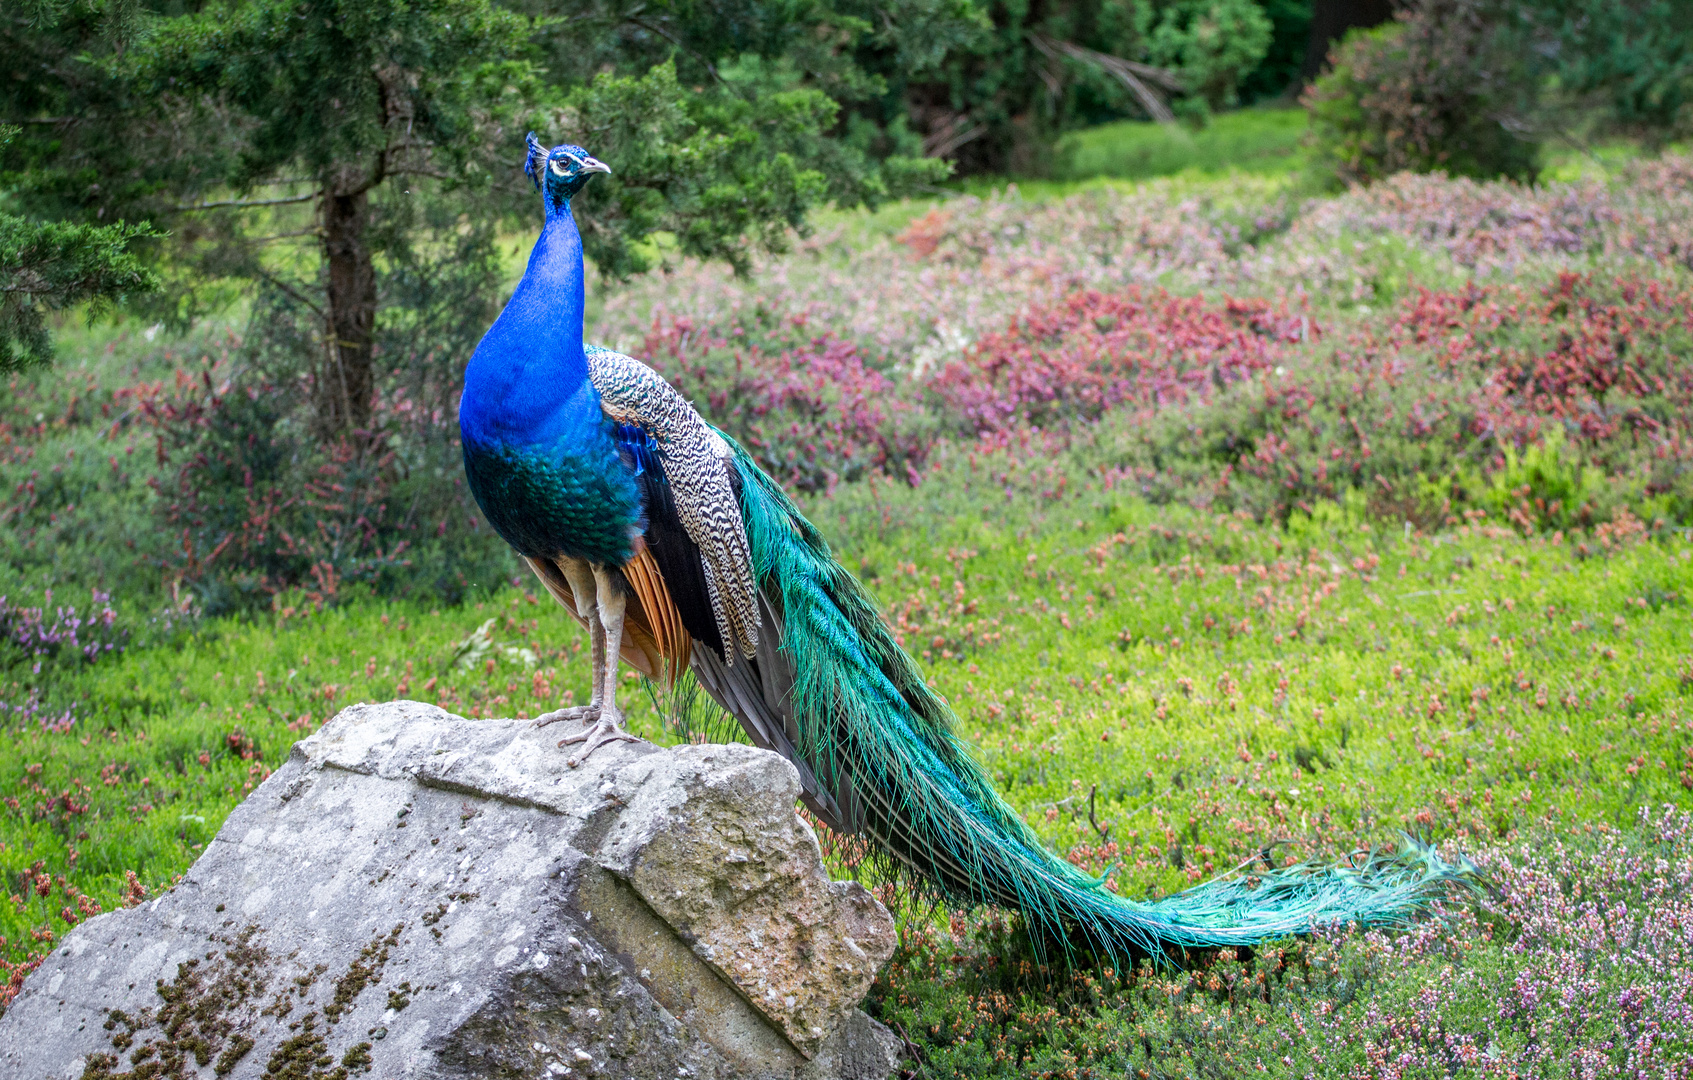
<point x="871" y="729"/>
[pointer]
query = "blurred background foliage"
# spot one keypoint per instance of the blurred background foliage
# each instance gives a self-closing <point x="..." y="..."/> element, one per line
<point x="323" y="199"/>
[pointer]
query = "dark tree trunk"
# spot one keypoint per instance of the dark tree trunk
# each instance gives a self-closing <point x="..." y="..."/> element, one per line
<point x="347" y="382"/>
<point x="1330" y="19"/>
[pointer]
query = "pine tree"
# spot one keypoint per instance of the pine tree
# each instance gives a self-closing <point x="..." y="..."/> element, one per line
<point x="333" y="101"/>
<point x="47" y="266"/>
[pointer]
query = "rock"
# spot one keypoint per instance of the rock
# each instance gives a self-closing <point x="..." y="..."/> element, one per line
<point x="414" y="894"/>
<point x="861" y="1049"/>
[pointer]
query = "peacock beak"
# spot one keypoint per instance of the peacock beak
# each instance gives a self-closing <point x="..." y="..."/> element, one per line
<point x="595" y="165"/>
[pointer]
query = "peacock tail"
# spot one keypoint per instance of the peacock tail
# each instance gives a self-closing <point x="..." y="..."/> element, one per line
<point x="872" y="730"/>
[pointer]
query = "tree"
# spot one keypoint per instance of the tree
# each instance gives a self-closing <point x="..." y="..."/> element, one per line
<point x="1279" y="73"/>
<point x="48" y="266"/>
<point x="1330" y="20"/>
<point x="1627" y="62"/>
<point x="736" y="118"/>
<point x="1002" y="96"/>
<point x="350" y="166"/>
<point x="334" y="100"/>
<point x="1211" y="44"/>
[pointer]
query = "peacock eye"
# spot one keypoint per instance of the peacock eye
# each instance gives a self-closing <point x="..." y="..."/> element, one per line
<point x="557" y="167"/>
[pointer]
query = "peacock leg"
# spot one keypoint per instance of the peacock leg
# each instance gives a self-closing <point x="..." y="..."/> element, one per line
<point x="581" y="581"/>
<point x="608" y="728"/>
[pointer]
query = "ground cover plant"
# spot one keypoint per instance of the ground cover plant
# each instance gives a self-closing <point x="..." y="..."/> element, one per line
<point x="918" y="293"/>
<point x="1237" y="532"/>
<point x="1250" y="140"/>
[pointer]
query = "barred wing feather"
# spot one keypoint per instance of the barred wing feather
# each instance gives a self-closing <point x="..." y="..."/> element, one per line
<point x="698" y="470"/>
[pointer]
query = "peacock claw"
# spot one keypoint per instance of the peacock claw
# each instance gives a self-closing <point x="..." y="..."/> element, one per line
<point x="585" y="713"/>
<point x="605" y="730"/>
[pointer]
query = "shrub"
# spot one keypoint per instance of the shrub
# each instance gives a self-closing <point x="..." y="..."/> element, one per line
<point x="1557" y="406"/>
<point x="258" y="507"/>
<point x="818" y="410"/>
<point x="1093" y="352"/>
<point x="1213" y="44"/>
<point x="1439" y="89"/>
<point x="1554" y="407"/>
<point x="188" y="474"/>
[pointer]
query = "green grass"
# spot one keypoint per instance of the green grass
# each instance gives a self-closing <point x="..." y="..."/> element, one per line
<point x="1257" y="141"/>
<point x="1206" y="685"/>
<point x="1267" y="142"/>
<point x="1565" y="162"/>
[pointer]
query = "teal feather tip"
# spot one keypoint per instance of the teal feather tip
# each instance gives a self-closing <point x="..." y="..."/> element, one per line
<point x="875" y="734"/>
<point x="1391" y="888"/>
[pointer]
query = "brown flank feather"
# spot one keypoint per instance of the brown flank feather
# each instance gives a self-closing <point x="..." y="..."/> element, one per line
<point x="654" y="641"/>
<point x="658" y="618"/>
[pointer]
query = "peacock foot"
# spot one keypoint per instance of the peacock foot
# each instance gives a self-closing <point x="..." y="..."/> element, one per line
<point x="585" y="713"/>
<point x="607" y="729"/>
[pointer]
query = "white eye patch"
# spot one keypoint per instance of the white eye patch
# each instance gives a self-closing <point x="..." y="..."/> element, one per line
<point x="557" y="167"/>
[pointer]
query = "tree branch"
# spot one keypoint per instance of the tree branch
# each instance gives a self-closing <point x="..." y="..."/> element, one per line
<point x="952" y="133"/>
<point x="290" y="291"/>
<point x="1128" y="72"/>
<point x="247" y="202"/>
<point x="404" y="170"/>
<point x="661" y="32"/>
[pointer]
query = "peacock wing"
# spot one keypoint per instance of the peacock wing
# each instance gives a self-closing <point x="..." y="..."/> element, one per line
<point x="696" y="486"/>
<point x="696" y="539"/>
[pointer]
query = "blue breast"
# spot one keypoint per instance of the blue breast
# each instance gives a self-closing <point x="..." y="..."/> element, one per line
<point x="544" y="463"/>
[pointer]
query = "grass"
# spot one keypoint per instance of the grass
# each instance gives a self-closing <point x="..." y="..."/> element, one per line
<point x="1171" y="691"/>
<point x="1263" y="142"/>
<point x="1256" y="141"/>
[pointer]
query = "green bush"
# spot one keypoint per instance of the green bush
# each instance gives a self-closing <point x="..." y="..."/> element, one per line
<point x="1213" y="44"/>
<point x="1438" y="90"/>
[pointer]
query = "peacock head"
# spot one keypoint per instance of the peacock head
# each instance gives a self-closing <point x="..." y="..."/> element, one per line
<point x="561" y="172"/>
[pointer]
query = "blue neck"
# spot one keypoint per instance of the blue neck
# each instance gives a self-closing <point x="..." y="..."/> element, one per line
<point x="527" y="382"/>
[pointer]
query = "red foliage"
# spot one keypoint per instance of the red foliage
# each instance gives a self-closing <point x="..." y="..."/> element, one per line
<point x="1589" y="372"/>
<point x="1457" y="382"/>
<point x="811" y="412"/>
<point x="1094" y="352"/>
<point x="925" y="234"/>
<point x="815" y="410"/>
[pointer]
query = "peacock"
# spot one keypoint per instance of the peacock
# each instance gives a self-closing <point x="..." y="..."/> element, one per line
<point x="682" y="558"/>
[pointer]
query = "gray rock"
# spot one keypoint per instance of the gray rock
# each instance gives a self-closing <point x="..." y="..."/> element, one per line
<point x="414" y="894"/>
